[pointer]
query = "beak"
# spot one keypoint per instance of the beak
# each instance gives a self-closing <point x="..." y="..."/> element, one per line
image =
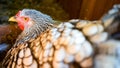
<point x="13" y="19"/>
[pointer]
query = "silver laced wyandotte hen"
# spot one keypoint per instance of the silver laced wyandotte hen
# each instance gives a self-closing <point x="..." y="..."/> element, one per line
<point x="44" y="45"/>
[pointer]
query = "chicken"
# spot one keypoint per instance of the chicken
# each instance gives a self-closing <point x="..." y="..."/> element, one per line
<point x="9" y="33"/>
<point x="45" y="45"/>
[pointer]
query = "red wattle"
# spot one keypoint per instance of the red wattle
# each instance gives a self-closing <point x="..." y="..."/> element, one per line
<point x="21" y="26"/>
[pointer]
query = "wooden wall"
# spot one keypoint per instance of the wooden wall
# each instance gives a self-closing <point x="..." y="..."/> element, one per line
<point x="87" y="9"/>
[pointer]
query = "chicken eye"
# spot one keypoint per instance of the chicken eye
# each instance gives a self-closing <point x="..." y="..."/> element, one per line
<point x="26" y="19"/>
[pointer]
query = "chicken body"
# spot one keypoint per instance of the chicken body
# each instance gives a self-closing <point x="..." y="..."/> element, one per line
<point x="64" y="46"/>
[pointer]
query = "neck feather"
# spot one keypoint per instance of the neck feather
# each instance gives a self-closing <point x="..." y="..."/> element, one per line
<point x="33" y="32"/>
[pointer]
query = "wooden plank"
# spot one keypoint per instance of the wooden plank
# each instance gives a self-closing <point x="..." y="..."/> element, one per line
<point x="86" y="9"/>
<point x="95" y="9"/>
<point x="98" y="11"/>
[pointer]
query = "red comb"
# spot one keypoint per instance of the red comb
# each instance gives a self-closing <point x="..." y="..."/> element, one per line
<point x="18" y="13"/>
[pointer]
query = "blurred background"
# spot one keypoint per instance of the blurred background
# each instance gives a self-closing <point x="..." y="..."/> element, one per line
<point x="59" y="9"/>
